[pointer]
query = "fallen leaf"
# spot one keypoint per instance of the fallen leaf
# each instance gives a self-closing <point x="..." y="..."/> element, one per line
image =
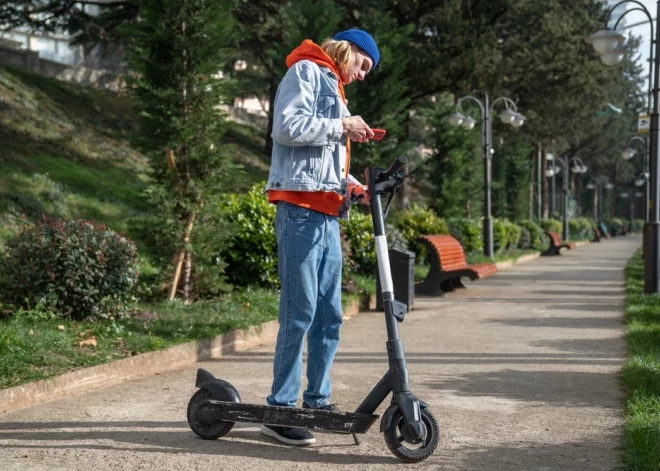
<point x="31" y="332"/>
<point x="60" y="327"/>
<point x="90" y="341"/>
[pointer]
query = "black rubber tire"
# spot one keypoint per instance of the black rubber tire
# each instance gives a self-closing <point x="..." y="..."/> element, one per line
<point x="396" y="442"/>
<point x="206" y="431"/>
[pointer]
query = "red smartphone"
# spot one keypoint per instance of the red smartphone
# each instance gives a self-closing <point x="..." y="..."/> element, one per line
<point x="378" y="134"/>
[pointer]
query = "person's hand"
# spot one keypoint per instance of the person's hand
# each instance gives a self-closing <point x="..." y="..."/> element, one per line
<point x="356" y="129"/>
<point x="359" y="193"/>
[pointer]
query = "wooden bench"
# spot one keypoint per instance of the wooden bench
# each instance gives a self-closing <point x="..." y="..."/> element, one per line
<point x="448" y="265"/>
<point x="597" y="234"/>
<point x="556" y="244"/>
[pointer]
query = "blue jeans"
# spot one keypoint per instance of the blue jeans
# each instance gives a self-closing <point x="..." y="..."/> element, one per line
<point x="309" y="258"/>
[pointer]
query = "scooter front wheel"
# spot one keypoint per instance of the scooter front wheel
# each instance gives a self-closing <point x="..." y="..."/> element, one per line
<point x="206" y="431"/>
<point x="412" y="451"/>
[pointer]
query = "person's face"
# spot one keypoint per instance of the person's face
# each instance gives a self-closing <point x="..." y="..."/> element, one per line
<point x="358" y="68"/>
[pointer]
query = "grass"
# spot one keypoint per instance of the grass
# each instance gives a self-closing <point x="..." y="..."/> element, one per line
<point x="65" y="151"/>
<point x="641" y="373"/>
<point x="35" y="345"/>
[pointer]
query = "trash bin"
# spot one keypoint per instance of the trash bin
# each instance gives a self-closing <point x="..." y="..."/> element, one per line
<point x="402" y="265"/>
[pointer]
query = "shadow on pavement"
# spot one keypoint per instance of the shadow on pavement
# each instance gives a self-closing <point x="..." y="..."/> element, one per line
<point x="239" y="442"/>
<point x="566" y="388"/>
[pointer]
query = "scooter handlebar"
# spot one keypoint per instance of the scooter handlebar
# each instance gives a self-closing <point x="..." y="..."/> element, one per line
<point x="396" y="166"/>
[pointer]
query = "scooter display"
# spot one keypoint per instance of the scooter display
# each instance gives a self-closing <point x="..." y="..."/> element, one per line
<point x="409" y="428"/>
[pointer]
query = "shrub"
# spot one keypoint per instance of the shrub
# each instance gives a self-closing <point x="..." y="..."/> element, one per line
<point x="525" y="241"/>
<point x="615" y="226"/>
<point x="358" y="230"/>
<point x="419" y="220"/>
<point x="637" y="225"/>
<point x="514" y="233"/>
<point x="251" y="253"/>
<point x="499" y="235"/>
<point x="581" y="228"/>
<point x="74" y="268"/>
<point x="550" y="225"/>
<point x="506" y="235"/>
<point x="538" y="239"/>
<point x="469" y="234"/>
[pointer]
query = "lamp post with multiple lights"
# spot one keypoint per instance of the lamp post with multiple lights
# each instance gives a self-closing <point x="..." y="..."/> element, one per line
<point x="608" y="43"/>
<point x="576" y="166"/>
<point x="627" y="154"/>
<point x="507" y="116"/>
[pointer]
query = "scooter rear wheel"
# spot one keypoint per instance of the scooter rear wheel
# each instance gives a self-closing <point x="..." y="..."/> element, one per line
<point x="206" y="431"/>
<point x="407" y="450"/>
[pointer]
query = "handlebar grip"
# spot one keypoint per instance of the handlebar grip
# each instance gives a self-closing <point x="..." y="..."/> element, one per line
<point x="396" y="166"/>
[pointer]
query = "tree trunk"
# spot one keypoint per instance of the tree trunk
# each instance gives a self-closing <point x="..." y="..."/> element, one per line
<point x="187" y="278"/>
<point x="544" y="184"/>
<point x="533" y="155"/>
<point x="181" y="256"/>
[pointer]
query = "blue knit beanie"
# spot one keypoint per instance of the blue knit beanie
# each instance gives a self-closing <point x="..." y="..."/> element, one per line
<point x="361" y="39"/>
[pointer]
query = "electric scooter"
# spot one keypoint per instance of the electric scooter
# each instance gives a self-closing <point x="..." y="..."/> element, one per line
<point x="410" y="430"/>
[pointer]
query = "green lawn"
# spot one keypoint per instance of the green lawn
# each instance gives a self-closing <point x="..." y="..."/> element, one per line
<point x="35" y="345"/>
<point x="641" y="374"/>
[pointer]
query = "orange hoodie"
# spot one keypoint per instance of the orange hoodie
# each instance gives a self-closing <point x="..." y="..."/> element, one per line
<point x="327" y="202"/>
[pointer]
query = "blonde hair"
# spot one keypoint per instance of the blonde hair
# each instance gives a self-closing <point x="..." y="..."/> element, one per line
<point x="339" y="51"/>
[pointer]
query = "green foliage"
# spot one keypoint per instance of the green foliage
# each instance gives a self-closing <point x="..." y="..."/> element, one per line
<point x="74" y="268"/>
<point x="177" y="49"/>
<point x="454" y="171"/>
<point x="469" y="233"/>
<point x="550" y="225"/>
<point x="512" y="171"/>
<point x="615" y="226"/>
<point x="500" y="240"/>
<point x="358" y="230"/>
<point x="637" y="225"/>
<point x="513" y="234"/>
<point x="581" y="228"/>
<point x="537" y="238"/>
<point x="251" y="254"/>
<point x="417" y="220"/>
<point x="525" y="241"/>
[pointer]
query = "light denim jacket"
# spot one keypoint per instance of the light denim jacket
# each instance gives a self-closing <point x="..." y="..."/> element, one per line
<point x="309" y="150"/>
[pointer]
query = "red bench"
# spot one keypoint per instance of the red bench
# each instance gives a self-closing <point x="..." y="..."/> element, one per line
<point x="448" y="265"/>
<point x="556" y="244"/>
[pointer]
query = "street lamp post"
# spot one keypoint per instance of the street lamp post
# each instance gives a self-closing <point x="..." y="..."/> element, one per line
<point x="597" y="184"/>
<point x="627" y="154"/>
<point x="576" y="166"/>
<point x="609" y="44"/>
<point x="507" y="116"/>
<point x="552" y="171"/>
<point x="631" y="194"/>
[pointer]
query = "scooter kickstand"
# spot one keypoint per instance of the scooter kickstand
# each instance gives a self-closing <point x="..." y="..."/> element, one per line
<point x="357" y="439"/>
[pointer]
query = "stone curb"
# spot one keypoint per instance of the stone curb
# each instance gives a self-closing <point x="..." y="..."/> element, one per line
<point x="522" y="259"/>
<point x="148" y="364"/>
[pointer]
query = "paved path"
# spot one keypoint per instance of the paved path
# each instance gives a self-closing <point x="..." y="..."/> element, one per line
<point x="520" y="370"/>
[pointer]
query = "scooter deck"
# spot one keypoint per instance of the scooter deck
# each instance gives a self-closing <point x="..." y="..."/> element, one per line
<point x="211" y="411"/>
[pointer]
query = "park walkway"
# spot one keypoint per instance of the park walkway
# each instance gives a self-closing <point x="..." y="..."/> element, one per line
<point x="520" y="370"/>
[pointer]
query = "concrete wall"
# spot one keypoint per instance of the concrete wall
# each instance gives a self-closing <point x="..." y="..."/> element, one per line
<point x="31" y="62"/>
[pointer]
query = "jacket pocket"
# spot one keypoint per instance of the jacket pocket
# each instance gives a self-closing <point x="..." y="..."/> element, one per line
<point x="324" y="106"/>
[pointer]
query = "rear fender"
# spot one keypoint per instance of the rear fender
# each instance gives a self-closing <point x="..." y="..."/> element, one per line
<point x="220" y="390"/>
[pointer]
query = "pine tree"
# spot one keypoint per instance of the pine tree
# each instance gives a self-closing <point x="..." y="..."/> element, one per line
<point x="178" y="47"/>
